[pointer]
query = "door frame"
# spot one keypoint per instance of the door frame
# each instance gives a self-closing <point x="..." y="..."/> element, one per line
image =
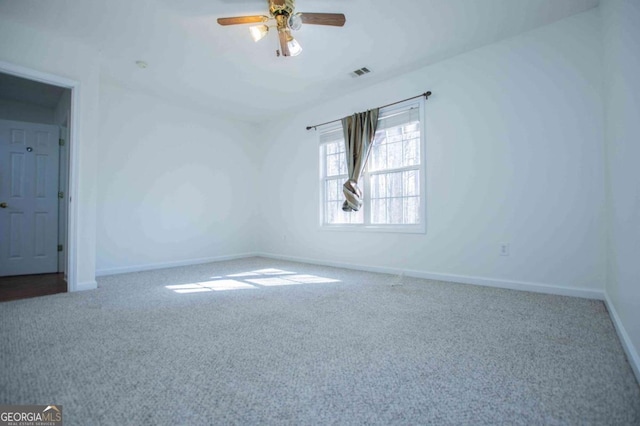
<point x="73" y="166"/>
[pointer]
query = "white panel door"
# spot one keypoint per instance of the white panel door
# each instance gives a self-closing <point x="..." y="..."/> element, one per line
<point x="28" y="198"/>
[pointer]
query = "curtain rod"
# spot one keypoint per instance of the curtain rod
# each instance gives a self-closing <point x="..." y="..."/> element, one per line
<point x="425" y="94"/>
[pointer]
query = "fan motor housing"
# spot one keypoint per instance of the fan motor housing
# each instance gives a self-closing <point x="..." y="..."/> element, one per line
<point x="281" y="7"/>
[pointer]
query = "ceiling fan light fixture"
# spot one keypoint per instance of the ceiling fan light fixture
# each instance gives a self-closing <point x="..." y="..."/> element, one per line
<point x="295" y="21"/>
<point x="294" y="47"/>
<point x="258" y="32"/>
<point x="287" y="20"/>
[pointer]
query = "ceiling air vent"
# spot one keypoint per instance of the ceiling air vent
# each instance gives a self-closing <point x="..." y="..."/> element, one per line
<point x="362" y="71"/>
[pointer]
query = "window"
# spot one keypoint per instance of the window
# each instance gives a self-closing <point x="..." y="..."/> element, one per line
<point x="393" y="181"/>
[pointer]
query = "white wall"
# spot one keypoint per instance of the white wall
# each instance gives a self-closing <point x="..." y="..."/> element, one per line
<point x="44" y="52"/>
<point x="621" y="20"/>
<point x="176" y="185"/>
<point x="514" y="147"/>
<point x="22" y="111"/>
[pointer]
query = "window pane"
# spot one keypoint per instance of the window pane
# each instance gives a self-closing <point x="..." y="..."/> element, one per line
<point x="411" y="152"/>
<point x="395" y="198"/>
<point x="343" y="164"/>
<point x="412" y="210"/>
<point x="329" y="190"/>
<point x="395" y="211"/>
<point x="330" y="213"/>
<point x="355" y="217"/>
<point x="374" y="157"/>
<point x="373" y="184"/>
<point x="378" y="157"/>
<point x="335" y="147"/>
<point x="396" y="147"/>
<point x="337" y="206"/>
<point x="334" y="189"/>
<point x="333" y="164"/>
<point x="336" y="216"/>
<point x="394" y="184"/>
<point x="379" y="211"/>
<point x="411" y="183"/>
<point x="394" y="134"/>
<point x="394" y="155"/>
<point x="412" y="127"/>
<point x="352" y="217"/>
<point x="378" y="186"/>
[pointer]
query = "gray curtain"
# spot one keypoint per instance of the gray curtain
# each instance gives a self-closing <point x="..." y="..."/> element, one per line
<point x="359" y="132"/>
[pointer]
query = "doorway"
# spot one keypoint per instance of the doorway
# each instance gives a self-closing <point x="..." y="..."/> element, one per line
<point x="34" y="189"/>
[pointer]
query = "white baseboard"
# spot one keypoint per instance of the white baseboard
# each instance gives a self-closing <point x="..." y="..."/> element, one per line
<point x="464" y="279"/>
<point x="87" y="285"/>
<point x="632" y="352"/>
<point x="173" y="264"/>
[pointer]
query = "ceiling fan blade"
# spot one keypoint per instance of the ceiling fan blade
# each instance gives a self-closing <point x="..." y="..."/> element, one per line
<point x="284" y="47"/>
<point x="333" y="19"/>
<point x="243" y="20"/>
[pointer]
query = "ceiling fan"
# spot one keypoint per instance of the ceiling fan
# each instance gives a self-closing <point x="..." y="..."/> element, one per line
<point x="287" y="19"/>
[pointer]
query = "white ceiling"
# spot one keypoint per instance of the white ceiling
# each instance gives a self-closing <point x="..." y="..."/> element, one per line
<point x="193" y="59"/>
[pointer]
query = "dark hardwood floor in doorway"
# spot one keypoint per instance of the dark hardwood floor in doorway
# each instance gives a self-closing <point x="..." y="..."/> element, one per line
<point x="26" y="286"/>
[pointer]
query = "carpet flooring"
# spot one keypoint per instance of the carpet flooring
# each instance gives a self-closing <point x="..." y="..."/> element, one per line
<point x="260" y="341"/>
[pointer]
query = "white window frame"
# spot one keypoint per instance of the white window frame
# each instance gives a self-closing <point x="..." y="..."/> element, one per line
<point x="367" y="226"/>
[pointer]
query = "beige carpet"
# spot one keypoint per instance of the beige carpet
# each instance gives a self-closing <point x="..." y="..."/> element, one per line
<point x="260" y="341"/>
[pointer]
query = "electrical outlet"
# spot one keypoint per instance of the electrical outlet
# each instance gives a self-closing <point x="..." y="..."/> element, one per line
<point x="504" y="249"/>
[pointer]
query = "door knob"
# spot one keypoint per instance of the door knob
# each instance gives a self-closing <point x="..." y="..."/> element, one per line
<point x="3" y="205"/>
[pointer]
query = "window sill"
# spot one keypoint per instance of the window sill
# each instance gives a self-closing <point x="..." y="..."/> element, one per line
<point x="415" y="229"/>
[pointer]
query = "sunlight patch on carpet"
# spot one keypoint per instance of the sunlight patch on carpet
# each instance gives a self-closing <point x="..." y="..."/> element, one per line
<point x="250" y="280"/>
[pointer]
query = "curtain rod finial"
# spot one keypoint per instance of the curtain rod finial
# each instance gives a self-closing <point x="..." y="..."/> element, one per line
<point x="427" y="94"/>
